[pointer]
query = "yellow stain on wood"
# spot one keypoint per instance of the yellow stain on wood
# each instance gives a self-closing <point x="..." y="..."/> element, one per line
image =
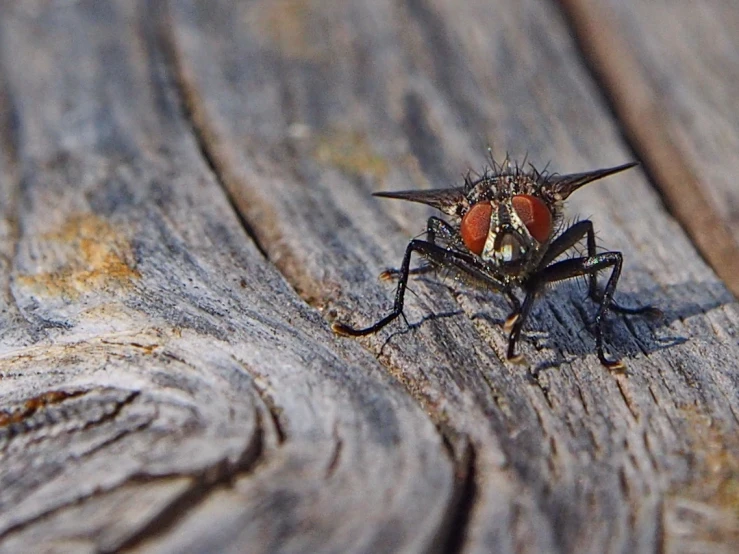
<point x="709" y="504"/>
<point x="91" y="256"/>
<point x="286" y="25"/>
<point x="350" y="152"/>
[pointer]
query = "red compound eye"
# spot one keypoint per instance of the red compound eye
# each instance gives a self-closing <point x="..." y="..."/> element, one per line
<point x="535" y="215"/>
<point x="475" y="226"/>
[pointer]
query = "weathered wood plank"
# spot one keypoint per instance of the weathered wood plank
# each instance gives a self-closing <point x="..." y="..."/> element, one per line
<point x="171" y="393"/>
<point x="671" y="74"/>
<point x="306" y="107"/>
<point x="153" y="364"/>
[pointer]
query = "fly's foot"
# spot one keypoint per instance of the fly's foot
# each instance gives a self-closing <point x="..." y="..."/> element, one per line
<point x="510" y="322"/>
<point x="518" y="359"/>
<point x="652" y="313"/>
<point x="392" y="274"/>
<point x="344" y="330"/>
<point x="611" y="365"/>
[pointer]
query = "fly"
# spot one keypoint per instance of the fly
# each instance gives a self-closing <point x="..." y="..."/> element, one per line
<point x="503" y="235"/>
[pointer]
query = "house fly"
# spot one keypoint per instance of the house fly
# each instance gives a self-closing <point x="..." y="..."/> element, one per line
<point x="505" y="233"/>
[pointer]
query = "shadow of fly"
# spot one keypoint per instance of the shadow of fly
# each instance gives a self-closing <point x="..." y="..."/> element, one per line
<point x="505" y="233"/>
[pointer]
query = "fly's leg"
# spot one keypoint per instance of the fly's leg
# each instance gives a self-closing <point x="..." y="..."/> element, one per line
<point x="516" y="309"/>
<point x="598" y="297"/>
<point x="433" y="252"/>
<point x="435" y="227"/>
<point x="515" y="323"/>
<point x="440" y="256"/>
<point x="569" y="239"/>
<point x="577" y="267"/>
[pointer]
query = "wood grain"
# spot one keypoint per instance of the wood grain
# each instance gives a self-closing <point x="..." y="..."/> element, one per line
<point x="152" y="359"/>
<point x="670" y="72"/>
<point x="186" y="208"/>
<point x="401" y="94"/>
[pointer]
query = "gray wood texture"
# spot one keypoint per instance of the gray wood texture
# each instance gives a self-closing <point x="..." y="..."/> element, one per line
<point x="670" y="71"/>
<point x="185" y="208"/>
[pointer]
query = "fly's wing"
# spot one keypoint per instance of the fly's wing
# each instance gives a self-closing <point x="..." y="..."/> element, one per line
<point x="451" y="201"/>
<point x="559" y="187"/>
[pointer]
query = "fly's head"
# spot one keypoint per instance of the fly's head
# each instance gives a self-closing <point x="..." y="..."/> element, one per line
<point x="509" y="216"/>
<point x="510" y="232"/>
<point x="509" y="219"/>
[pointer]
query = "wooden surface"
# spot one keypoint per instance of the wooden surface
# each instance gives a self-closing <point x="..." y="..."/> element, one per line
<point x="669" y="70"/>
<point x="185" y="207"/>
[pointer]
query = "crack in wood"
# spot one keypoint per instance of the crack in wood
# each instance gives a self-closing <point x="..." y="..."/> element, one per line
<point x="19" y="526"/>
<point x="274" y="413"/>
<point x="551" y="457"/>
<point x="594" y="440"/>
<point x="660" y="531"/>
<point x="204" y="483"/>
<point x="36" y="413"/>
<point x="627" y="400"/>
<point x="336" y="454"/>
<point x="31" y="406"/>
<point x="188" y="103"/>
<point x="260" y="385"/>
<point x="649" y="451"/>
<point x="452" y="532"/>
<point x="578" y="389"/>
<point x="644" y="128"/>
<point x="536" y="380"/>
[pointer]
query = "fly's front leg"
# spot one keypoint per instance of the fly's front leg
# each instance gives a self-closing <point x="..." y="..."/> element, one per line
<point x="569" y="239"/>
<point x="435" y="228"/>
<point x="431" y="251"/>
<point x="515" y="314"/>
<point x="577" y="267"/>
<point x="515" y="322"/>
<point x="461" y="261"/>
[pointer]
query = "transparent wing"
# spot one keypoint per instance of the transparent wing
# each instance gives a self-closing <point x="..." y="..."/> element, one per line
<point x="451" y="201"/>
<point x="561" y="186"/>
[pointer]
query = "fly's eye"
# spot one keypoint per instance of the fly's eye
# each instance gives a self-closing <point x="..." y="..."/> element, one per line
<point x="535" y="215"/>
<point x="475" y="227"/>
